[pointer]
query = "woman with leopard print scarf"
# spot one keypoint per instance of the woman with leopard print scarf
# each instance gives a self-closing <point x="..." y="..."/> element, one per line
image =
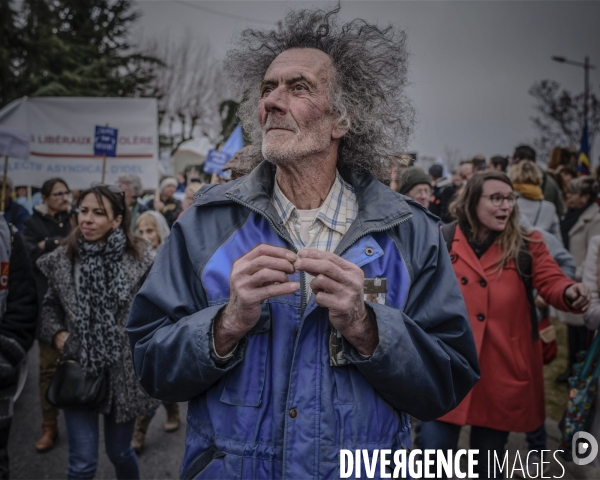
<point x="92" y="280"/>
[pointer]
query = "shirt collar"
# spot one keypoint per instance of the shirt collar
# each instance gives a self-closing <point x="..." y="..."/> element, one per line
<point x="333" y="211"/>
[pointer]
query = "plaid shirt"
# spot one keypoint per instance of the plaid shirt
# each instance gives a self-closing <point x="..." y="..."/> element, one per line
<point x="332" y="220"/>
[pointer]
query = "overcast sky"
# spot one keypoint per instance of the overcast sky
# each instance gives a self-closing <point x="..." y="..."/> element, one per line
<point x="471" y="65"/>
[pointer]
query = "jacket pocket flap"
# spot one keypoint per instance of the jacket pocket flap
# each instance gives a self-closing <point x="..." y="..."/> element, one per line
<point x="202" y="462"/>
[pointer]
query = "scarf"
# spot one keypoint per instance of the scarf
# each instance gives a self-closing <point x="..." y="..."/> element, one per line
<point x="529" y="191"/>
<point x="102" y="291"/>
<point x="568" y="221"/>
<point x="478" y="246"/>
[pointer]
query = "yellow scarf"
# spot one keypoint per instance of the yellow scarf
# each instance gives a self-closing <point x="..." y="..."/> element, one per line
<point x="529" y="191"/>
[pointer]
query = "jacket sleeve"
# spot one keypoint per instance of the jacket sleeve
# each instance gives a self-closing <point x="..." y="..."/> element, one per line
<point x="52" y="317"/>
<point x="20" y="318"/>
<point x="426" y="361"/>
<point x="560" y="254"/>
<point x="548" y="278"/>
<point x="31" y="239"/>
<point x="170" y="319"/>
<point x="555" y="230"/>
<point x="590" y="278"/>
<point x="592" y="229"/>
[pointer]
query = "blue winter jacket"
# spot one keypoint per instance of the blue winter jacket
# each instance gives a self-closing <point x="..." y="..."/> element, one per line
<point x="277" y="409"/>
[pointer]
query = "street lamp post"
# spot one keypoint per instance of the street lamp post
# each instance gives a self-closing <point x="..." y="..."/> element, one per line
<point x="586" y="67"/>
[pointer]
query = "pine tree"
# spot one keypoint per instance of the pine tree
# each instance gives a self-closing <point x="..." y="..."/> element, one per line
<point x="80" y="48"/>
<point x="10" y="52"/>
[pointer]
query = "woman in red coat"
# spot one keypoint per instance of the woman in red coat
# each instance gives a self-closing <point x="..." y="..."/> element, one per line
<point x="510" y="394"/>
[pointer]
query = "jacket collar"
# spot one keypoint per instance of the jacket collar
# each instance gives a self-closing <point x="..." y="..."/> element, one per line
<point x="42" y="211"/>
<point x="375" y="201"/>
<point x="587" y="216"/>
<point x="461" y="247"/>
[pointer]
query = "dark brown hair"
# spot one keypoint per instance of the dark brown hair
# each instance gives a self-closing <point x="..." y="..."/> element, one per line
<point x="464" y="208"/>
<point x="116" y="200"/>
<point x="48" y="185"/>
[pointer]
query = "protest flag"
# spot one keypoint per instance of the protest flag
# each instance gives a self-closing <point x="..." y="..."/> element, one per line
<point x="583" y="163"/>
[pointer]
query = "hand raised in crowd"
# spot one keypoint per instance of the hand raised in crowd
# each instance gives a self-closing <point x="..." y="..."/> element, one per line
<point x="260" y="274"/>
<point x="338" y="286"/>
<point x="60" y="339"/>
<point x="579" y="296"/>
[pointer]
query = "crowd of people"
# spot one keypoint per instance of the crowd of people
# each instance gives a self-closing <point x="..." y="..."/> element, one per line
<point x="319" y="300"/>
<point x="108" y="236"/>
<point x="85" y="251"/>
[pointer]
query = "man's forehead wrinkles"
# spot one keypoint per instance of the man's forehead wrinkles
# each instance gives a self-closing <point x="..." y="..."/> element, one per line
<point x="288" y="79"/>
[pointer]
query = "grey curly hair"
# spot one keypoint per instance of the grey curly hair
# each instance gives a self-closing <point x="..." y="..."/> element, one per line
<point x="366" y="94"/>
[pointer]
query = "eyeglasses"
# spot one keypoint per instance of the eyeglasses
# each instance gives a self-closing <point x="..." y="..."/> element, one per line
<point x="497" y="199"/>
<point x="61" y="194"/>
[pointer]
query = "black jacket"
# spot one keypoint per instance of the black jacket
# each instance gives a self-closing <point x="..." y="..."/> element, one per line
<point x="41" y="226"/>
<point x="17" y="327"/>
<point x="170" y="211"/>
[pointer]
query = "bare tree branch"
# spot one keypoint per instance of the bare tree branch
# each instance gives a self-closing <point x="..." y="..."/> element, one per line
<point x="559" y="118"/>
<point x="192" y="86"/>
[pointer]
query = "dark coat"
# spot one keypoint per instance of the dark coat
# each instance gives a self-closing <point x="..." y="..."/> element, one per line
<point x="424" y="365"/>
<point x="170" y="211"/>
<point x="16" y="214"/>
<point x="17" y="325"/>
<point x="41" y="226"/>
<point x="59" y="312"/>
<point x="19" y="319"/>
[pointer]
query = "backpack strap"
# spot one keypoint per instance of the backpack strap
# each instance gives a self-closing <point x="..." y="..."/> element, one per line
<point x="525" y="273"/>
<point x="448" y="233"/>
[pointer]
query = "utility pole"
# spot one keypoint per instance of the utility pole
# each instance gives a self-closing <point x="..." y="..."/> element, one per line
<point x="586" y="81"/>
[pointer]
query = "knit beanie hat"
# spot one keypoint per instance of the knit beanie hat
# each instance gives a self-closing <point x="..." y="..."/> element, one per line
<point x="436" y="170"/>
<point x="165" y="182"/>
<point x="411" y="177"/>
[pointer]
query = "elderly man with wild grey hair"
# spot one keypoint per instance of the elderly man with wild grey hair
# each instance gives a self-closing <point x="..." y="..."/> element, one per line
<point x="306" y="307"/>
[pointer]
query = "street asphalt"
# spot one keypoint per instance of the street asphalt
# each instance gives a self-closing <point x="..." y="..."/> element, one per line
<point x="162" y="454"/>
<point x="159" y="460"/>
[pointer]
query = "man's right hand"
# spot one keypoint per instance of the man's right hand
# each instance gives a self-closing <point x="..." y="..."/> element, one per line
<point x="257" y="276"/>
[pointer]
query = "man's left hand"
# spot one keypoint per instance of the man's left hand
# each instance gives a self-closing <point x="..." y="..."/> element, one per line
<point x="338" y="286"/>
<point x="579" y="296"/>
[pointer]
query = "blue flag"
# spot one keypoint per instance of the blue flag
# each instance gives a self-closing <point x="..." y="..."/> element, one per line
<point x="583" y="163"/>
<point x="216" y="159"/>
<point x="235" y="141"/>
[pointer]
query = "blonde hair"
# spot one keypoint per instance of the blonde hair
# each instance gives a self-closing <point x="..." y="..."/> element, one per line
<point x="526" y="172"/>
<point x="158" y="221"/>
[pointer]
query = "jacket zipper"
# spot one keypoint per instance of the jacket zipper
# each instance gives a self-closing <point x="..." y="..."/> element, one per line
<point x="284" y="236"/>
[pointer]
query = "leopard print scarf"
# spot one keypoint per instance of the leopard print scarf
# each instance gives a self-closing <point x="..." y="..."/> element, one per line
<point x="103" y="290"/>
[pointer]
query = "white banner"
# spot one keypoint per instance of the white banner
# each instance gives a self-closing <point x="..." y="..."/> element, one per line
<point x="61" y="133"/>
<point x="14" y="143"/>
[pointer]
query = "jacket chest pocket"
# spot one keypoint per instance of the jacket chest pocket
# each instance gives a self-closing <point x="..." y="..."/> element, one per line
<point x="245" y="383"/>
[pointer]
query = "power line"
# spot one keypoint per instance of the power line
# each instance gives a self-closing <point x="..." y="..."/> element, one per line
<point x="229" y="15"/>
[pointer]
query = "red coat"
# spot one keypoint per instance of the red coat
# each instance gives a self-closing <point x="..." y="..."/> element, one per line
<point x="510" y="394"/>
